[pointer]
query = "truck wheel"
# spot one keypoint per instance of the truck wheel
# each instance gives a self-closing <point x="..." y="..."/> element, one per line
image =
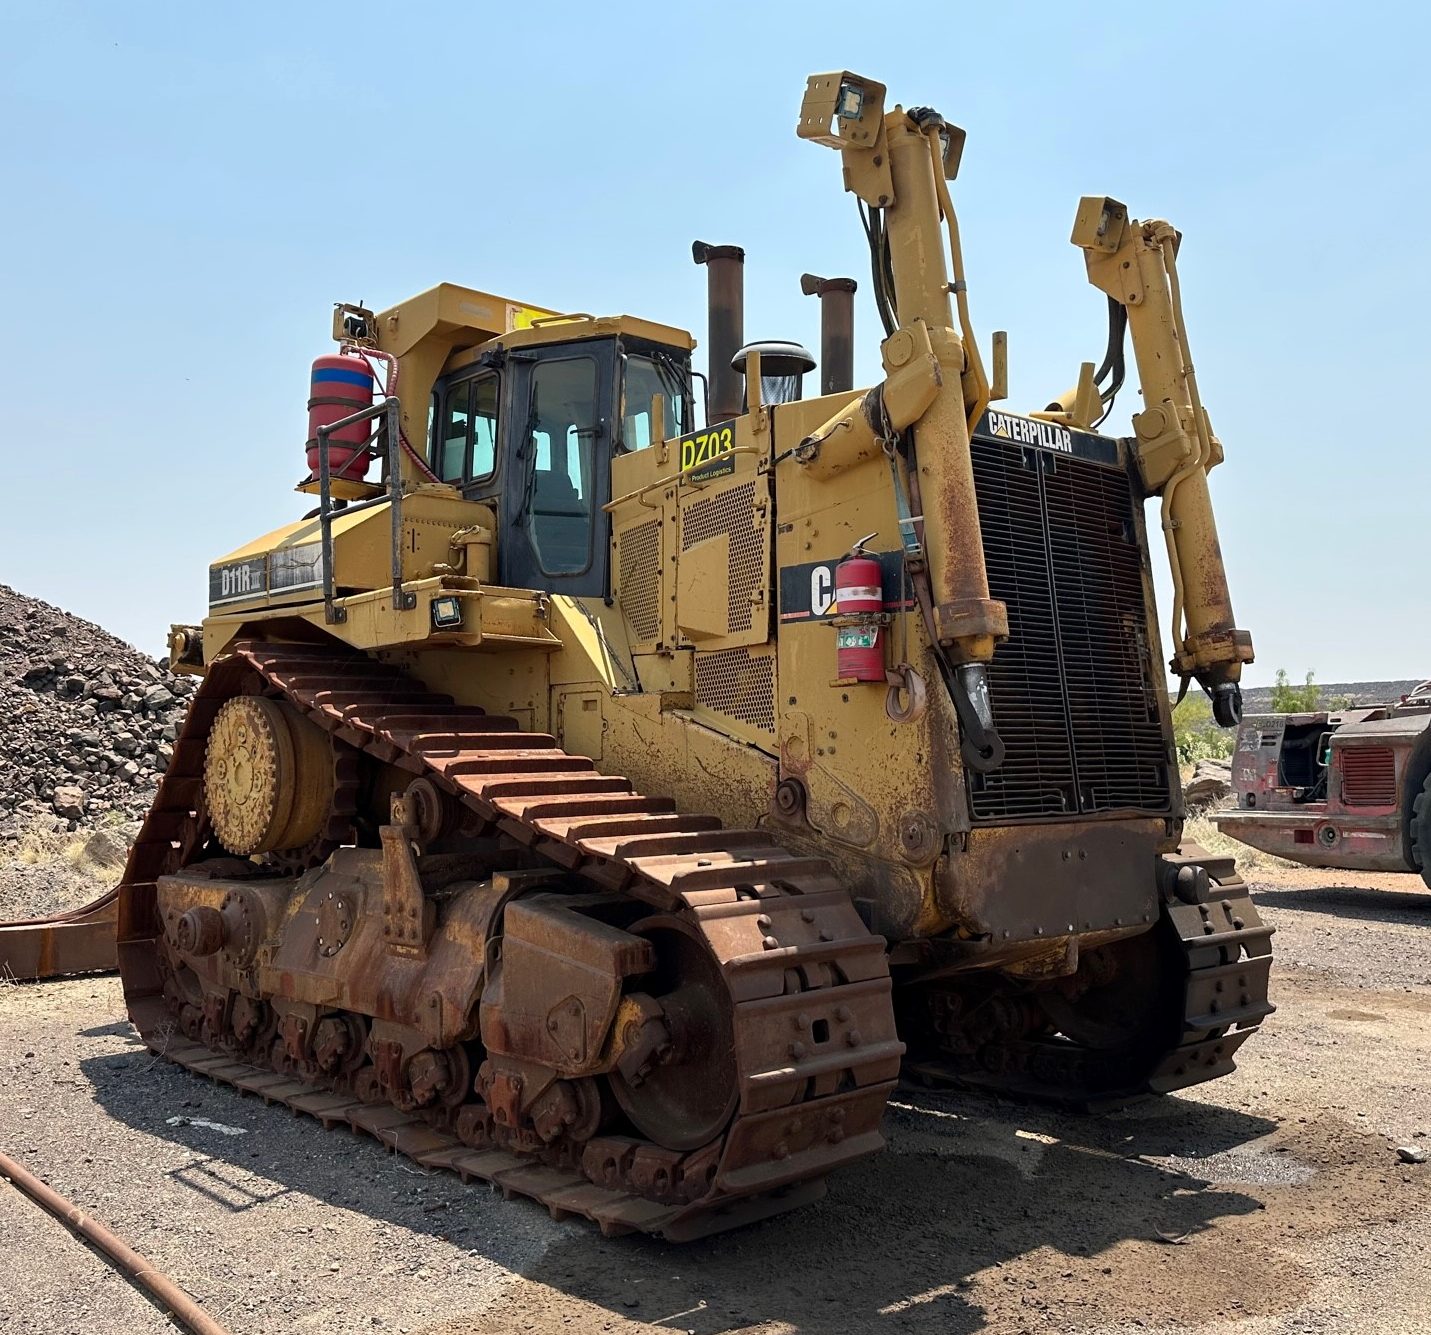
<point x="1421" y="831"/>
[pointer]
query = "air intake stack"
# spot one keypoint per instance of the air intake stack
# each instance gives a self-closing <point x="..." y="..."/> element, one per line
<point x="783" y="367"/>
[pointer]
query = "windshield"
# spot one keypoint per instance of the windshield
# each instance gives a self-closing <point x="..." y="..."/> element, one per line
<point x="648" y="377"/>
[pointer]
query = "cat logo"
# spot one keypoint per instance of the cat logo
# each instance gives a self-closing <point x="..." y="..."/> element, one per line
<point x="1046" y="435"/>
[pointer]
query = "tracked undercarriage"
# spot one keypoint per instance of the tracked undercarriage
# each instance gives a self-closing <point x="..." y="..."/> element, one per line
<point x="539" y="978"/>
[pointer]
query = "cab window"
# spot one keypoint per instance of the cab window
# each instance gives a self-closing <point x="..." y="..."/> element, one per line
<point x="469" y="430"/>
<point x="562" y="435"/>
<point x="645" y="381"/>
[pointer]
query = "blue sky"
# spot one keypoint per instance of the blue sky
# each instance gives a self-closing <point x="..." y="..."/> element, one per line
<point x="189" y="188"/>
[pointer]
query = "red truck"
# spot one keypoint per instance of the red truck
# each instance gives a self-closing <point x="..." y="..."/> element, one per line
<point x="1347" y="788"/>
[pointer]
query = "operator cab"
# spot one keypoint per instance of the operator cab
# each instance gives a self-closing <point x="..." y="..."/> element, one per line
<point x="529" y="424"/>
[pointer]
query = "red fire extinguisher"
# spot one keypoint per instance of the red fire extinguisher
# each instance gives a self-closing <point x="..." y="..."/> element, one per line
<point x="859" y="594"/>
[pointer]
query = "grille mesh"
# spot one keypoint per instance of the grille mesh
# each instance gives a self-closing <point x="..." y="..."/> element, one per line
<point x="1073" y="692"/>
<point x="1368" y="776"/>
<point x="738" y="683"/>
<point x="639" y="566"/>
<point x="731" y="512"/>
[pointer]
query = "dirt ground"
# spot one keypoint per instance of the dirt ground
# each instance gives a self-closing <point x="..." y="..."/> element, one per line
<point x="1272" y="1201"/>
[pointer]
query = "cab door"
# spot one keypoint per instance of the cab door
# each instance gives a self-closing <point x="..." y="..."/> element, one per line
<point x="558" y="436"/>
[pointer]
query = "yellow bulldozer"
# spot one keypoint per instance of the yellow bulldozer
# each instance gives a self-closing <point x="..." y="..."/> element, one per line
<point x="609" y="801"/>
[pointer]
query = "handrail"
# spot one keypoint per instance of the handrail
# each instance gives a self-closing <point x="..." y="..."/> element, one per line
<point x="389" y="407"/>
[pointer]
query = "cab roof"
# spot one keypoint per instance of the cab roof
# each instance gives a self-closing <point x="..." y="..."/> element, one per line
<point x="550" y="329"/>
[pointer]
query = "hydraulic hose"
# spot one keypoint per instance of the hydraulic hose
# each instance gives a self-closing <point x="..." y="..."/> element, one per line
<point x="166" y="1294"/>
<point x="1203" y="456"/>
<point x="390" y="391"/>
<point x="972" y="360"/>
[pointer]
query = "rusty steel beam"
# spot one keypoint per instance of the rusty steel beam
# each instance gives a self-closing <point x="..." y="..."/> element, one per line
<point x="81" y="941"/>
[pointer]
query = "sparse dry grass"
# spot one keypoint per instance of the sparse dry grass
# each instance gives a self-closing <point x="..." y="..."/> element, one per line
<point x="42" y="847"/>
<point x="39" y="847"/>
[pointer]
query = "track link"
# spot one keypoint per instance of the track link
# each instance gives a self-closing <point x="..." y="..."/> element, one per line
<point x="809" y="986"/>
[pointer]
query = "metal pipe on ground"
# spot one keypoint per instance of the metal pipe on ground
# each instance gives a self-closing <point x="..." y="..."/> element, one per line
<point x="837" y="330"/>
<point x="166" y="1294"/>
<point x="725" y="275"/>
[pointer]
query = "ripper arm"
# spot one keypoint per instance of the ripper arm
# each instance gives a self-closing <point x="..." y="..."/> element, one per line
<point x="935" y="388"/>
<point x="1135" y="263"/>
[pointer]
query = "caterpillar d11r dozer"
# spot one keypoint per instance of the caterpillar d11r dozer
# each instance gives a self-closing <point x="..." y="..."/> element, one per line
<point x="608" y="806"/>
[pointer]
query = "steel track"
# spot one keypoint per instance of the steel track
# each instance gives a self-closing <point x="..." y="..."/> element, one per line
<point x="808" y="985"/>
<point x="1221" y="1001"/>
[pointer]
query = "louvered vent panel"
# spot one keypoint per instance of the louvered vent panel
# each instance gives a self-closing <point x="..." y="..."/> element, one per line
<point x="1119" y="750"/>
<point x="1073" y="690"/>
<point x="639" y="572"/>
<point x="738" y="683"/>
<point x="731" y="512"/>
<point x="1025" y="683"/>
<point x="1368" y="776"/>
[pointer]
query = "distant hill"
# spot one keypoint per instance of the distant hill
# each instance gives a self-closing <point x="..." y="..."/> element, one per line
<point x="1258" y="699"/>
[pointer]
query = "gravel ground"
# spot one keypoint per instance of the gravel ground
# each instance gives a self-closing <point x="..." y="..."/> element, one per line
<point x="31" y="890"/>
<point x="1272" y="1201"/>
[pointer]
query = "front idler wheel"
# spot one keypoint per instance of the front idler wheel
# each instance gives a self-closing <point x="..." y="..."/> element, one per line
<point x="680" y="1085"/>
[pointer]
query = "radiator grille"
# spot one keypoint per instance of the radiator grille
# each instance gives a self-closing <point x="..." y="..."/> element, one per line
<point x="739" y="684"/>
<point x="639" y="567"/>
<point x="731" y="512"/>
<point x="1368" y="776"/>
<point x="1073" y="688"/>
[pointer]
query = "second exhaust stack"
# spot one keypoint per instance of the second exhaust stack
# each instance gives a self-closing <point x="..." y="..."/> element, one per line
<point x="837" y="330"/>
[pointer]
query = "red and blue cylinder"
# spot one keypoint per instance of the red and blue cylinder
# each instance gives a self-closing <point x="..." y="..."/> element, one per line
<point x="341" y="386"/>
<point x="859" y="648"/>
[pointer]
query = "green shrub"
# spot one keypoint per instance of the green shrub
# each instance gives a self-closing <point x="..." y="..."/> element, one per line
<point x="1290" y="699"/>
<point x="1196" y="735"/>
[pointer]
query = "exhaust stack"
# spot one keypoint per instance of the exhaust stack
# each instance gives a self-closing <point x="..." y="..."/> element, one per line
<point x="837" y="330"/>
<point x="725" y="270"/>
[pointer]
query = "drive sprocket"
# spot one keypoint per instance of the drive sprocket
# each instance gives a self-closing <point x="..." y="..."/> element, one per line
<point x="268" y="776"/>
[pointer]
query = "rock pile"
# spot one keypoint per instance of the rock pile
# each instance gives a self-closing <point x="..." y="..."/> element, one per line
<point x="87" y="722"/>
